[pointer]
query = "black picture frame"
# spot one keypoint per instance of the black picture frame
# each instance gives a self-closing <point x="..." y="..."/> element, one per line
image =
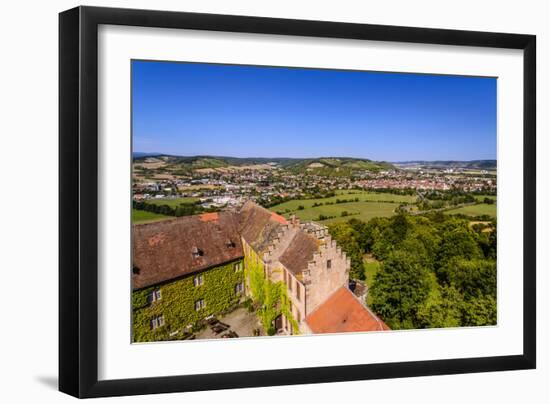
<point x="78" y="196"/>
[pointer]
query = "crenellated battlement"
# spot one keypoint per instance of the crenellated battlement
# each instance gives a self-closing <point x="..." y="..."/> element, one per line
<point x="317" y="230"/>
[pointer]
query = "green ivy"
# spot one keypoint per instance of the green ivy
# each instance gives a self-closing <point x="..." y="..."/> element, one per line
<point x="177" y="303"/>
<point x="271" y="297"/>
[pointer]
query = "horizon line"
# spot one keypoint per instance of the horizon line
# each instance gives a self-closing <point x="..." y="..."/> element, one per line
<point x="152" y="154"/>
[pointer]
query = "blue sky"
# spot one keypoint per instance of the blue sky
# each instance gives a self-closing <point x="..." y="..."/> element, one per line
<point x="248" y="111"/>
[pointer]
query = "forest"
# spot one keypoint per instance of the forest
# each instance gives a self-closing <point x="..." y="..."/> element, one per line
<point x="436" y="270"/>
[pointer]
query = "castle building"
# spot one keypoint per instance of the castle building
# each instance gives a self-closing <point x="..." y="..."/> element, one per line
<point x="192" y="267"/>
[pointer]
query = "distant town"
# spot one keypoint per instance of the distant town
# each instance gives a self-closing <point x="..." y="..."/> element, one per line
<point x="217" y="183"/>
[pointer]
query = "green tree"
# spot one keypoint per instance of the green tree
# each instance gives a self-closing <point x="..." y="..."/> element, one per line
<point x="480" y="311"/>
<point x="346" y="237"/>
<point x="424" y="242"/>
<point x="400" y="290"/>
<point x="459" y="241"/>
<point x="442" y="308"/>
<point x="472" y="278"/>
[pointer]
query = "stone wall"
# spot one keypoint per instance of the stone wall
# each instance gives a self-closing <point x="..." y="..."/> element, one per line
<point x="320" y="280"/>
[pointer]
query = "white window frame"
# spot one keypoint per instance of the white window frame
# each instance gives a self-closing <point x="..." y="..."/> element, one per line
<point x="200" y="304"/>
<point x="239" y="288"/>
<point x="157" y="322"/>
<point x="198" y="280"/>
<point x="238" y="266"/>
<point x="154" y="296"/>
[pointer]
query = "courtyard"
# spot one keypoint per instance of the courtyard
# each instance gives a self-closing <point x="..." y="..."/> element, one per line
<point x="238" y="323"/>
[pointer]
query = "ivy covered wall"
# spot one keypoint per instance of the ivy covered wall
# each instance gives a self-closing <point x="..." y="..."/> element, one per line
<point x="271" y="297"/>
<point x="177" y="302"/>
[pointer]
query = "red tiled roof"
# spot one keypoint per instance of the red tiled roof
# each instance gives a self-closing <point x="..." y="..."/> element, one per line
<point x="342" y="312"/>
<point x="209" y="217"/>
<point x="299" y="252"/>
<point x="170" y="249"/>
<point x="278" y="218"/>
<point x="259" y="227"/>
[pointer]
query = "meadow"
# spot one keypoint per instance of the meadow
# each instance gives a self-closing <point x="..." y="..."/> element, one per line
<point x="369" y="205"/>
<point x="364" y="196"/>
<point x="142" y="216"/>
<point x="359" y="210"/>
<point x="475" y="210"/>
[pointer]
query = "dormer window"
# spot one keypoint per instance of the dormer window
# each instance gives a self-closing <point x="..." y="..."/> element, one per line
<point x="197" y="252"/>
<point x="229" y="244"/>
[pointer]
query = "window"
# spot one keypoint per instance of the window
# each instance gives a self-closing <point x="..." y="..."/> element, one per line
<point x="156" y="322"/>
<point x="135" y="270"/>
<point x="154" y="296"/>
<point x="297" y="291"/>
<point x="298" y="316"/>
<point x="197" y="252"/>
<point x="238" y="267"/>
<point x="289" y="282"/>
<point x="198" y="280"/>
<point x="239" y="288"/>
<point x="200" y="304"/>
<point x="329" y="264"/>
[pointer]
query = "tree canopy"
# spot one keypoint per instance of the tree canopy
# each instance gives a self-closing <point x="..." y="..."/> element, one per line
<point x="436" y="270"/>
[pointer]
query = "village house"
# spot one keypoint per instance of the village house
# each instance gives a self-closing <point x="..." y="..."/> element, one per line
<point x="192" y="267"/>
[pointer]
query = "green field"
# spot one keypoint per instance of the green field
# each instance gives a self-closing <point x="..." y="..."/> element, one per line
<point x="475" y="210"/>
<point x="142" y="216"/>
<point x="358" y="210"/>
<point x="172" y="202"/>
<point x="371" y="204"/>
<point x="364" y="196"/>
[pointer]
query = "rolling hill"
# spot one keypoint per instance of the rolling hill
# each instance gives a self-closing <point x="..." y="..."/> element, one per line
<point x="329" y="166"/>
<point x="472" y="164"/>
<point x="338" y="166"/>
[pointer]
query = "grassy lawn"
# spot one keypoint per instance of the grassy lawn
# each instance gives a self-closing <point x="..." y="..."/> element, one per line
<point x="142" y="216"/>
<point x="475" y="210"/>
<point x="371" y="266"/>
<point x="364" y="196"/>
<point x="172" y="202"/>
<point x="358" y="210"/>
